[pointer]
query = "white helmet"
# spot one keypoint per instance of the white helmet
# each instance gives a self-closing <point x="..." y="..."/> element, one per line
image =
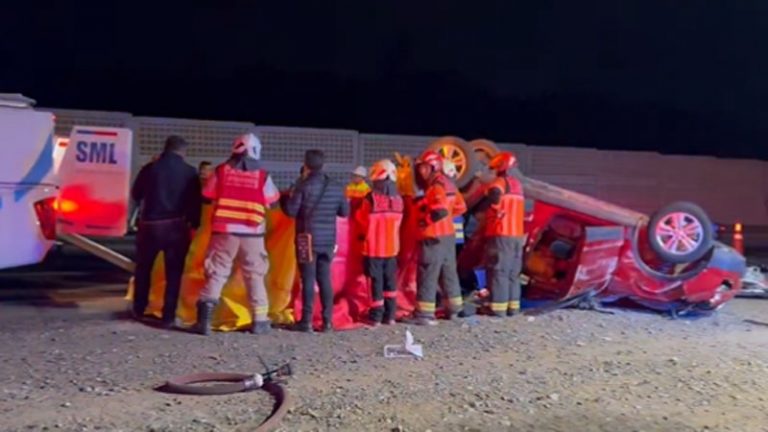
<point x="247" y="143"/>
<point x="383" y="169"/>
<point x="449" y="169"/>
<point x="359" y="171"/>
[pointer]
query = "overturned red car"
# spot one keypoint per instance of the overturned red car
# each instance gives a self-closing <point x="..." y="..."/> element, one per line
<point x="581" y="248"/>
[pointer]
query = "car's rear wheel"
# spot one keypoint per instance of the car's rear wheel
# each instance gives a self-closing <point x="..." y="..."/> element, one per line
<point x="680" y="233"/>
<point x="461" y="154"/>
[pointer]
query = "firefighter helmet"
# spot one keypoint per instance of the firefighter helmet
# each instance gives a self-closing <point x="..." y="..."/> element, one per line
<point x="431" y="158"/>
<point x="247" y="144"/>
<point x="383" y="170"/>
<point x="359" y="171"/>
<point x="502" y="162"/>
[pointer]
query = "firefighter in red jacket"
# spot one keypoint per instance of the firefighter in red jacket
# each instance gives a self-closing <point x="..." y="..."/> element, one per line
<point x="437" y="262"/>
<point x="504" y="235"/>
<point x="242" y="192"/>
<point x="380" y="216"/>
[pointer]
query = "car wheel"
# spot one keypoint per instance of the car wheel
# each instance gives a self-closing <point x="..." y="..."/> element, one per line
<point x="680" y="233"/>
<point x="461" y="154"/>
<point x="484" y="150"/>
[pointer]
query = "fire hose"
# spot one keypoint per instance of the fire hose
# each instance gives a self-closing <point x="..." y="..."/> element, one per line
<point x="229" y="383"/>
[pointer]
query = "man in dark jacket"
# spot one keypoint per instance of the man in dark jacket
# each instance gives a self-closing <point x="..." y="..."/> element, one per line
<point x="168" y="190"/>
<point x="315" y="201"/>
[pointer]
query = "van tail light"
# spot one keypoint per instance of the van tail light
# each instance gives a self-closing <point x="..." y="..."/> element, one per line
<point x="46" y="215"/>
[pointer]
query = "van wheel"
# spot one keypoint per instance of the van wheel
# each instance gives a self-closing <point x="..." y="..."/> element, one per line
<point x="680" y="233"/>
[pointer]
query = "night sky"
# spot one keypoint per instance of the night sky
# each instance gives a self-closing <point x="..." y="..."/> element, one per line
<point x="673" y="76"/>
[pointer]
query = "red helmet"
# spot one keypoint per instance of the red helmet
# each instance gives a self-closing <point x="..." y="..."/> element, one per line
<point x="431" y="158"/>
<point x="502" y="162"/>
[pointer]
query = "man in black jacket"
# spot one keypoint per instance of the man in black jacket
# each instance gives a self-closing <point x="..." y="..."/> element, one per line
<point x="168" y="190"/>
<point x="315" y="201"/>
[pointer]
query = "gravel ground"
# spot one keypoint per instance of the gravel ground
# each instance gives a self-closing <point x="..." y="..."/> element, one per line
<point x="569" y="370"/>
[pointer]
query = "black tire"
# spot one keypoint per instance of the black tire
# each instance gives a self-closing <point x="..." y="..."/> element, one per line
<point x="484" y="150"/>
<point x="692" y="212"/>
<point x="458" y="146"/>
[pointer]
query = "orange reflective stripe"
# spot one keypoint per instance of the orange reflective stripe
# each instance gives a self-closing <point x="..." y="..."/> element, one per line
<point x="238" y="215"/>
<point x="229" y="202"/>
<point x="377" y="303"/>
<point x="390" y="294"/>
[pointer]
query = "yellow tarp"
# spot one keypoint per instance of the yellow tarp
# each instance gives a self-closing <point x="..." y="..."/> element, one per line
<point x="232" y="312"/>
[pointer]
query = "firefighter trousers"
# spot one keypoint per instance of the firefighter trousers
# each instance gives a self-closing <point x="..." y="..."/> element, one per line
<point x="504" y="261"/>
<point x="382" y="272"/>
<point x="223" y="251"/>
<point x="437" y="267"/>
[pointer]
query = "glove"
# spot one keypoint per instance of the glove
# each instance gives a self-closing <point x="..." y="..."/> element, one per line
<point x="436" y="215"/>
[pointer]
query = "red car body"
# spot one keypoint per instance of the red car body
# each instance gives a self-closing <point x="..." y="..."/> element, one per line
<point x="581" y="246"/>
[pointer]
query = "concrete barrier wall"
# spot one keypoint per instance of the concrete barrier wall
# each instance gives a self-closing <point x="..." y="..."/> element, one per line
<point x="730" y="190"/>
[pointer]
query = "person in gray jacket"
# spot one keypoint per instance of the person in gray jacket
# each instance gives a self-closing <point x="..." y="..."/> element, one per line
<point x="316" y="200"/>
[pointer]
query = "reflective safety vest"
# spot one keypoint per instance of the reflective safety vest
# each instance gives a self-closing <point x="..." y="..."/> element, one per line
<point x="240" y="206"/>
<point x="505" y="219"/>
<point x="357" y="190"/>
<point x="458" y="226"/>
<point x="382" y="215"/>
<point x="442" y="194"/>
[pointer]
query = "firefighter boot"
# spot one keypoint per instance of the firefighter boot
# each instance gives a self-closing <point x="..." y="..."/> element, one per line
<point x="204" y="317"/>
<point x="261" y="327"/>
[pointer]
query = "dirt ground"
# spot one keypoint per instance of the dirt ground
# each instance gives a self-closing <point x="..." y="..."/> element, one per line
<point x="68" y="370"/>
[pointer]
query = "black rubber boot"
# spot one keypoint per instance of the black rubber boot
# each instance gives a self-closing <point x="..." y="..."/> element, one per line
<point x="204" y="316"/>
<point x="261" y="327"/>
<point x="302" y="326"/>
<point x="327" y="327"/>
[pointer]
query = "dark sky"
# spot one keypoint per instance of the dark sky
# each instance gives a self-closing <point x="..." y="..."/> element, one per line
<point x="674" y="76"/>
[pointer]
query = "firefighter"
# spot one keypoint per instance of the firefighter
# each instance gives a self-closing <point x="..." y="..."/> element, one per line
<point x="504" y="235"/>
<point x="242" y="192"/>
<point x="357" y="187"/>
<point x="437" y="260"/>
<point x="380" y="216"/>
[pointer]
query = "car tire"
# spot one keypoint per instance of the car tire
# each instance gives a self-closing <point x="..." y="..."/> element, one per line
<point x="462" y="153"/>
<point x="680" y="233"/>
<point x="484" y="149"/>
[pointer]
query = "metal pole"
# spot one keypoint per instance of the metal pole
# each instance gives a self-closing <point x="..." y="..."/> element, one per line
<point x="100" y="251"/>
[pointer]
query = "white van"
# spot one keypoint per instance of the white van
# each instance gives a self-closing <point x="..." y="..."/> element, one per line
<point x="27" y="182"/>
<point x="51" y="185"/>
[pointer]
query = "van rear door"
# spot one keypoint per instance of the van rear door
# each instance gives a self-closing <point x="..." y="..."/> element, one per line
<point x="94" y="177"/>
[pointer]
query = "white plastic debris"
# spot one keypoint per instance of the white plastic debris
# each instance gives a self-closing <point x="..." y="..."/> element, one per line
<point x="410" y="349"/>
<point x="753" y="277"/>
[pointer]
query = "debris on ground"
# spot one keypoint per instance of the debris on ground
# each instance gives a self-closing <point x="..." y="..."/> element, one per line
<point x="557" y="374"/>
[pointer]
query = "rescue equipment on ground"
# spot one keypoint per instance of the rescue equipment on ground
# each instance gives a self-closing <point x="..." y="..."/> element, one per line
<point x="230" y="383"/>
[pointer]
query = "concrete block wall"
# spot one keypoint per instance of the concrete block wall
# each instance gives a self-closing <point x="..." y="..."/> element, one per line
<point x="729" y="189"/>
